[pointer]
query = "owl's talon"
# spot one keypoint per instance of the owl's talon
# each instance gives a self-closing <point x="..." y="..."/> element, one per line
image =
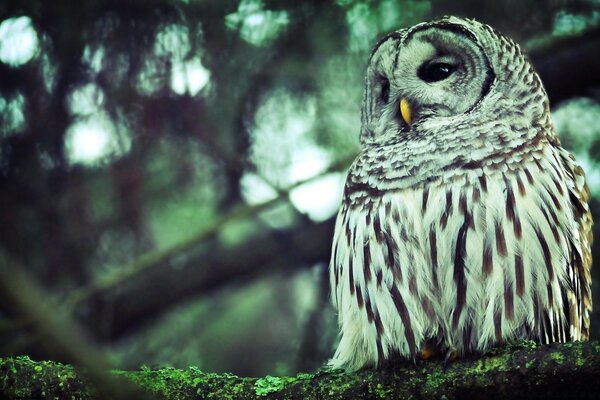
<point x="428" y="351"/>
<point x="451" y="355"/>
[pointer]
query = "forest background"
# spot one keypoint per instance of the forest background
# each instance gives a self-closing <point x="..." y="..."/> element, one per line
<point x="170" y="170"/>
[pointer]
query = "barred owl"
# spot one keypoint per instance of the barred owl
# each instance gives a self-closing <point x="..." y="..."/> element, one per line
<point x="464" y="223"/>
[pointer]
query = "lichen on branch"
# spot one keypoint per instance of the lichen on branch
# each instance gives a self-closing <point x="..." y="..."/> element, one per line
<point x="515" y="371"/>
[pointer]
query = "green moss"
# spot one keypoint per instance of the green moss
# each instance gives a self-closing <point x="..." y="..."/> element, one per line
<point x="580" y="360"/>
<point x="305" y="376"/>
<point x="434" y="380"/>
<point x="165" y="381"/>
<point x="383" y="392"/>
<point x="268" y="384"/>
<point x="496" y="363"/>
<point x="512" y="346"/>
<point x="521" y="344"/>
<point x="557" y="357"/>
<point x="237" y="389"/>
<point x="343" y="382"/>
<point x="453" y="376"/>
<point x="26" y="378"/>
<point x="429" y="379"/>
<point x="530" y="344"/>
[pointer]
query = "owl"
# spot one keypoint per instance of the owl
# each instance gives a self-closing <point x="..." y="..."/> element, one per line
<point x="464" y="223"/>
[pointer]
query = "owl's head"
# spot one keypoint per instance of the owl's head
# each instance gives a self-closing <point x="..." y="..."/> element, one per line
<point x="441" y="73"/>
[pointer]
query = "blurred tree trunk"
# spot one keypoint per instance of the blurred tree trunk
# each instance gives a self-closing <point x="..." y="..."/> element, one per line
<point x="570" y="370"/>
<point x="314" y="347"/>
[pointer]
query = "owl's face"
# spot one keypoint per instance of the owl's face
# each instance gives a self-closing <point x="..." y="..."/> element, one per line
<point x="439" y="70"/>
<point x="448" y="96"/>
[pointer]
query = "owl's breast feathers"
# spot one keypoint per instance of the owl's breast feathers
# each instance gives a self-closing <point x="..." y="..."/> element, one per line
<point x="462" y="156"/>
<point x="469" y="257"/>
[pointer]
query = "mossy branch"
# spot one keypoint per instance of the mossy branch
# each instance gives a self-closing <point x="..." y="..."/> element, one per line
<point x="570" y="370"/>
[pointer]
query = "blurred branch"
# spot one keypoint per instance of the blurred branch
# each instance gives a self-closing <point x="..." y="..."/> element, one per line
<point x="568" y="66"/>
<point x="568" y="370"/>
<point x="61" y="335"/>
<point x="124" y="306"/>
<point x="160" y="256"/>
<point x="200" y="263"/>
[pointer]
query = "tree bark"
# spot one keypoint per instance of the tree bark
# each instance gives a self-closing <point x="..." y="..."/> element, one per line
<point x="522" y="370"/>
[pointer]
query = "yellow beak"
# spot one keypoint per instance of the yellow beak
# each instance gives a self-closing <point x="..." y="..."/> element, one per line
<point x="405" y="111"/>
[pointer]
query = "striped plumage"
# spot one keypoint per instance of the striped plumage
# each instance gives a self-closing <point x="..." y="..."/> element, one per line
<point x="469" y="226"/>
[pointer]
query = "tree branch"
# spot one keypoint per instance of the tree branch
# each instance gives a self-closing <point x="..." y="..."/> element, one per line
<point x="62" y="337"/>
<point x="524" y="370"/>
<point x="162" y="256"/>
<point x="576" y="58"/>
<point x="118" y="309"/>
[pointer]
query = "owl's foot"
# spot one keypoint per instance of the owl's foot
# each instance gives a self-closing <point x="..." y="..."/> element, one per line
<point x="451" y="355"/>
<point x="429" y="350"/>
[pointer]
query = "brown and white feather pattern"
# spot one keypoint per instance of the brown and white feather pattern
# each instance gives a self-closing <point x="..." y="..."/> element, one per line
<point x="468" y="231"/>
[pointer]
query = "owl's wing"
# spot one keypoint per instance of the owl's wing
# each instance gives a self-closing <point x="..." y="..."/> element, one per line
<point x="579" y="295"/>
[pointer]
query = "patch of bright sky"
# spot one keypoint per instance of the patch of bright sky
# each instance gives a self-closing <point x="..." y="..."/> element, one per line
<point x="173" y="41"/>
<point x="189" y="76"/>
<point x="279" y="136"/>
<point x="576" y="122"/>
<point x="256" y="25"/>
<point x="285" y="154"/>
<point x="12" y="114"/>
<point x="86" y="99"/>
<point x="93" y="138"/>
<point x="256" y="189"/>
<point x="94" y="57"/>
<point x="18" y="41"/>
<point x="321" y="198"/>
<point x="148" y="80"/>
<point x="96" y="139"/>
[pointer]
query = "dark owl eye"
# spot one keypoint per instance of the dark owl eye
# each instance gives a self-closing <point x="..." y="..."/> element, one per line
<point x="434" y="72"/>
<point x="385" y="90"/>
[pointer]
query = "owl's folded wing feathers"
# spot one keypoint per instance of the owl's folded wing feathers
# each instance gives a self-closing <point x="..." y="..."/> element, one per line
<point x="579" y="293"/>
